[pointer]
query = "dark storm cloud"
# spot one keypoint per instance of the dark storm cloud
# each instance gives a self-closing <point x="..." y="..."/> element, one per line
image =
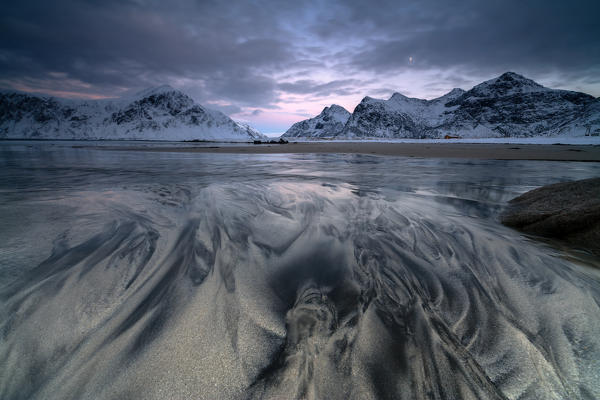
<point x="531" y="36"/>
<point x="242" y="86"/>
<point x="249" y="53"/>
<point x="110" y="45"/>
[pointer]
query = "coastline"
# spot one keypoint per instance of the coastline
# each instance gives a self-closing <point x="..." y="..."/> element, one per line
<point x="481" y="151"/>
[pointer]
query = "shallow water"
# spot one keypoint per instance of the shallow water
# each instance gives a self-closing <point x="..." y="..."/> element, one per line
<point x="171" y="275"/>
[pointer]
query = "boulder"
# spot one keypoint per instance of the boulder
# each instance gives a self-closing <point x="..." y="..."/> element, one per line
<point x="568" y="211"/>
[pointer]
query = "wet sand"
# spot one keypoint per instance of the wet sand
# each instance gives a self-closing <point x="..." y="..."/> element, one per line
<point x="482" y="151"/>
<point x="139" y="275"/>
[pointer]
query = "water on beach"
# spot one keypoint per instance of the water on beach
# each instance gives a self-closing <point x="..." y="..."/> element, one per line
<point x="155" y="275"/>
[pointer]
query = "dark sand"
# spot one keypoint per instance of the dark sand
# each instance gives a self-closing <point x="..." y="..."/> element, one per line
<point x="484" y="151"/>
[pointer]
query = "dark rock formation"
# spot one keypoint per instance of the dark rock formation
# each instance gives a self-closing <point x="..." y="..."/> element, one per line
<point x="567" y="211"/>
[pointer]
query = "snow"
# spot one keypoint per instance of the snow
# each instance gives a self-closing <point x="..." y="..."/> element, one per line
<point x="159" y="113"/>
<point x="507" y="84"/>
<point x="507" y="106"/>
<point x="451" y="95"/>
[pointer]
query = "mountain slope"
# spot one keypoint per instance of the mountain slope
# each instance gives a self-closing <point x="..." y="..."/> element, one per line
<point x="329" y="122"/>
<point x="507" y="106"/>
<point x="400" y="116"/>
<point x="161" y="113"/>
<point x="512" y="105"/>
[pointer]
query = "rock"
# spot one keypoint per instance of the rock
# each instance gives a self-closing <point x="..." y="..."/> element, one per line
<point x="567" y="211"/>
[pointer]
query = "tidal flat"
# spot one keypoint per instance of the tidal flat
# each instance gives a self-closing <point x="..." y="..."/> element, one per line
<point x="172" y="274"/>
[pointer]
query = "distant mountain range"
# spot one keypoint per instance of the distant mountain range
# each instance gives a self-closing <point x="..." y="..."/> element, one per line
<point x="160" y="113"/>
<point x="508" y="106"/>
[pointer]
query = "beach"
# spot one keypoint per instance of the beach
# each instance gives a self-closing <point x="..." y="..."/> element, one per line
<point x="479" y="151"/>
<point x="171" y="274"/>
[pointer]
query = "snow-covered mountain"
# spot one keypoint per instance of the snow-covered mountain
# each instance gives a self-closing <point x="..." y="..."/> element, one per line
<point x="328" y="123"/>
<point x="160" y="113"/>
<point x="507" y="106"/>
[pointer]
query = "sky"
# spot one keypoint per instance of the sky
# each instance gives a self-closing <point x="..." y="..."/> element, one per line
<point x="272" y="63"/>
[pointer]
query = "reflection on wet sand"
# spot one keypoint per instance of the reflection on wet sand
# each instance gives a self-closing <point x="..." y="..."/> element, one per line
<point x="358" y="285"/>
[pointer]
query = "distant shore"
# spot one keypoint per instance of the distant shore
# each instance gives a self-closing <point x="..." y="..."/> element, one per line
<point x="482" y="151"/>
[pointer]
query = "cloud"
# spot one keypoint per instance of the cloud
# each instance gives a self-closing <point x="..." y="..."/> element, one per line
<point x="272" y="55"/>
<point x="116" y="45"/>
<point x="489" y="37"/>
<point x="245" y="88"/>
<point x="224" y="108"/>
<point x="306" y="86"/>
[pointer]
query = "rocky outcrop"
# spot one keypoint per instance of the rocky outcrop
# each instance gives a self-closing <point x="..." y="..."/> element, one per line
<point x="161" y="113"/>
<point x="567" y="211"/>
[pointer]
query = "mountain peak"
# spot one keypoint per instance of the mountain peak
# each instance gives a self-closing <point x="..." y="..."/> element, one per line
<point x="155" y="90"/>
<point x="367" y="99"/>
<point x="335" y="109"/>
<point x="509" y="75"/>
<point x="451" y="95"/>
<point x="327" y="124"/>
<point x="455" y="91"/>
<point x="398" y="96"/>
<point x="509" y="83"/>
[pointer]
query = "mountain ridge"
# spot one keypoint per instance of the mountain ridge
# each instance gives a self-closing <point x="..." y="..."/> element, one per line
<point x="157" y="113"/>
<point x="509" y="105"/>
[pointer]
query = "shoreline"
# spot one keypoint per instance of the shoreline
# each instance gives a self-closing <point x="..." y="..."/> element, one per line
<point x="481" y="151"/>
